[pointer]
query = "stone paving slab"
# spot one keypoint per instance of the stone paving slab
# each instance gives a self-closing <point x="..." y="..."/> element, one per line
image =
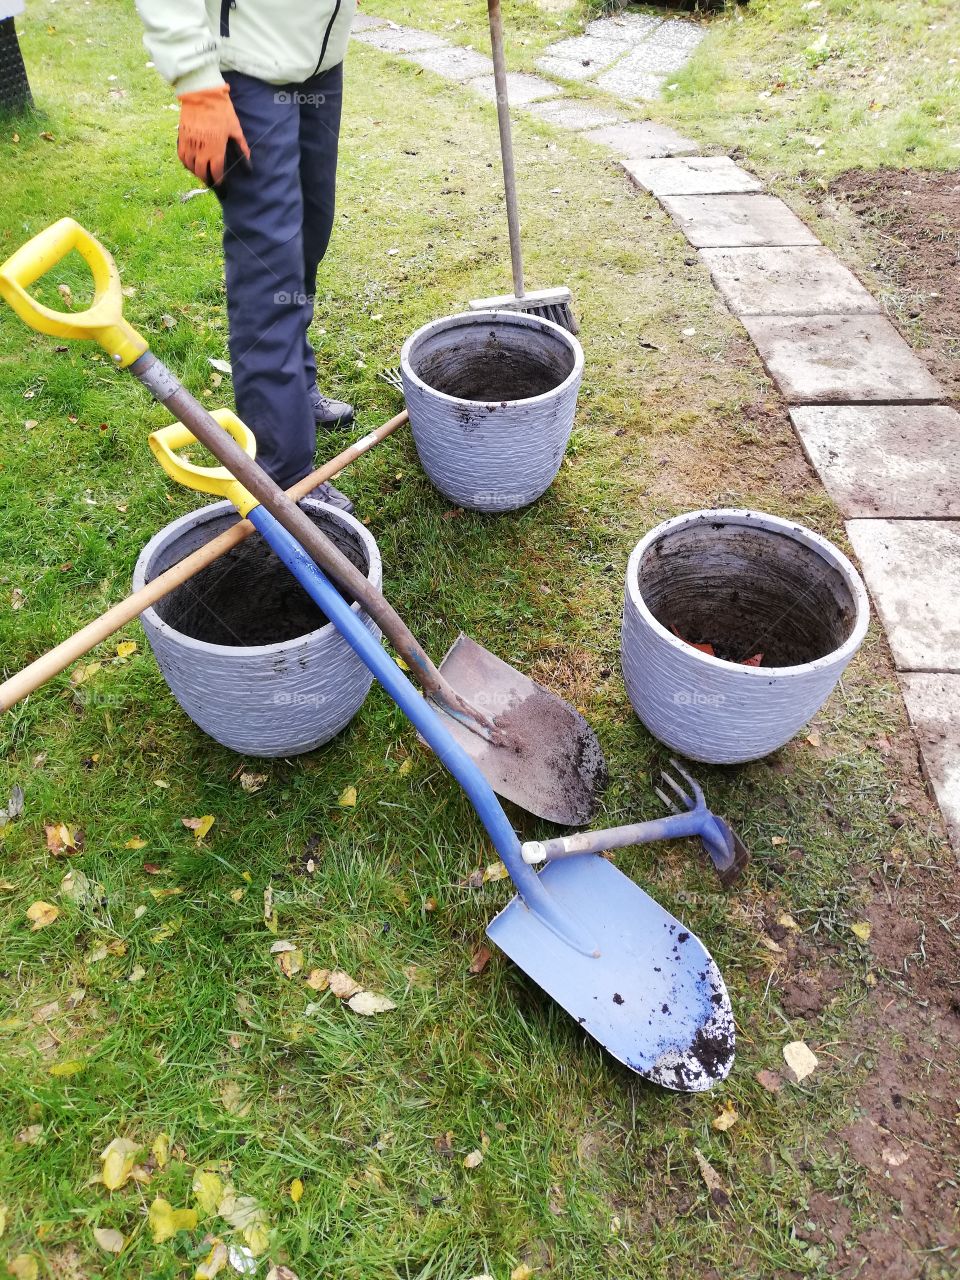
<point x="567" y="113"/>
<point x="933" y="705"/>
<point x="643" y="140"/>
<point x="885" y="460"/>
<point x="454" y="63"/>
<point x="737" y="221"/>
<point x="632" y="26"/>
<point x="692" y="176"/>
<point x="521" y="88"/>
<point x="400" y="39"/>
<point x="586" y="56"/>
<point x="666" y="51"/>
<point x="840" y="359"/>
<point x="803" y="281"/>
<point x="912" y="568"/>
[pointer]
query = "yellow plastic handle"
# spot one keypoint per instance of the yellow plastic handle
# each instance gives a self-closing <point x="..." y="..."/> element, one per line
<point x="102" y="321"/>
<point x="216" y="480"/>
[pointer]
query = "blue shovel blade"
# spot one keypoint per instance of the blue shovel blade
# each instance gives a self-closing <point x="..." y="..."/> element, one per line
<point x="653" y="997"/>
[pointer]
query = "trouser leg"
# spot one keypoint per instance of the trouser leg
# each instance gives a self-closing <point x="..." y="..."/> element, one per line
<point x="320" y="108"/>
<point x="267" y="307"/>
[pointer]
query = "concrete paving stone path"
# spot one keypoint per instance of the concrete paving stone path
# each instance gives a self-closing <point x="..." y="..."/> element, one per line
<point x="840" y="359"/>
<point x="885" y="460"/>
<point x="933" y="705"/>
<point x="642" y="140"/>
<point x="912" y="568"/>
<point x="736" y="221"/>
<point x="568" y="113"/>
<point x="691" y="176"/>
<point x="867" y="411"/>
<point x="786" y="282"/>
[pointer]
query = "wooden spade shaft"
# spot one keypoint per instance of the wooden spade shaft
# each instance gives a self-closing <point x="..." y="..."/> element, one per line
<point x="56" y="660"/>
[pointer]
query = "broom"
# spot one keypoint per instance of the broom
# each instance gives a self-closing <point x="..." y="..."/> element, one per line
<point x="552" y="304"/>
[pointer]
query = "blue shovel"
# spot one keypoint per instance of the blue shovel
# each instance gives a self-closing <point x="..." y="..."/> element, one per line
<point x="629" y="972"/>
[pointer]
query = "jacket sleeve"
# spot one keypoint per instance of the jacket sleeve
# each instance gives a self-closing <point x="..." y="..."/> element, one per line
<point x="179" y="40"/>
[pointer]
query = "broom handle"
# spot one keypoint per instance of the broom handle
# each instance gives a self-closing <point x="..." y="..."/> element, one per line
<point x="51" y="664"/>
<point x="506" y="143"/>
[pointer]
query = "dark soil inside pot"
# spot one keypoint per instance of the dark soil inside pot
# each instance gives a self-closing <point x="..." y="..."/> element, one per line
<point x="746" y="591"/>
<point x="479" y="363"/>
<point x="247" y="597"/>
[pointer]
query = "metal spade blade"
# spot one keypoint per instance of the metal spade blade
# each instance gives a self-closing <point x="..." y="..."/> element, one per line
<point x="653" y="997"/>
<point x="550" y="762"/>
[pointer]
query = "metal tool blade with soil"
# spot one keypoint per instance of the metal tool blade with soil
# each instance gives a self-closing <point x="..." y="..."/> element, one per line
<point x="558" y="778"/>
<point x="629" y="972"/>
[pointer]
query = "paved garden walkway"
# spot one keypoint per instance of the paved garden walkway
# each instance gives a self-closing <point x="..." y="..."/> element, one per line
<point x="871" y="418"/>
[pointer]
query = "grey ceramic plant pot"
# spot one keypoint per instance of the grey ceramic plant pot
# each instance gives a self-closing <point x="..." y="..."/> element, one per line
<point x="491" y="397"/>
<point x="245" y="652"/>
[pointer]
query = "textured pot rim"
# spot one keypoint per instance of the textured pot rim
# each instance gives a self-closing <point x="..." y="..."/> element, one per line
<point x="517" y="318"/>
<point x="202" y="516"/>
<point x="747" y="517"/>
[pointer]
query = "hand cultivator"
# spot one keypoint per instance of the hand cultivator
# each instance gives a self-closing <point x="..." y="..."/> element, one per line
<point x="626" y="970"/>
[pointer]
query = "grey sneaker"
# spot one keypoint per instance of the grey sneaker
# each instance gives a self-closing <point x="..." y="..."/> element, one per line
<point x="332" y="497"/>
<point x="330" y="413"/>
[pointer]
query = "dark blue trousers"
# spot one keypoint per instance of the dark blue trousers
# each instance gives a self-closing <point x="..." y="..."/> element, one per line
<point x="278" y="215"/>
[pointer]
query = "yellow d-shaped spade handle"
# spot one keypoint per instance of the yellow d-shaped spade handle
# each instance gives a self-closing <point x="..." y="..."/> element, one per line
<point x="102" y="321"/>
<point x="216" y="480"/>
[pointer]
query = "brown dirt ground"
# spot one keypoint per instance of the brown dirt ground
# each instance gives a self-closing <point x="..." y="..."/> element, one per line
<point x="910" y="222"/>
<point x="905" y="227"/>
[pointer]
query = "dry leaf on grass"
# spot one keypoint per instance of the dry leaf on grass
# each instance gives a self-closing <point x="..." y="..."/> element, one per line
<point x="253" y="782"/>
<point x="213" y="1263"/>
<point x="207" y="1191"/>
<point x="165" y="1221"/>
<point x="718" y="1193"/>
<point x="62" y="839"/>
<point x="800" y="1059"/>
<point x="126" y="648"/>
<point x="29" y="1136"/>
<point x="495" y="871"/>
<point x="71" y="1068"/>
<point x="473" y="1160"/>
<point x="769" y="1080"/>
<point x="289" y="957"/>
<point x="41" y="914"/>
<point x="282" y="1273"/>
<point x="135" y="842"/>
<point x="342" y="985"/>
<point x="318" y="979"/>
<point x="24" y="1267"/>
<point x="161" y="1149"/>
<point x="480" y="958"/>
<point x="523" y="1272"/>
<point x="861" y="931"/>
<point x="118" y="1157"/>
<point x="727" y="1118"/>
<point x="231" y="1095"/>
<point x="199" y="826"/>
<point x="110" y="1240"/>
<point x="348" y="798"/>
<point x="369" y="1003"/>
<point x="296" y="1190"/>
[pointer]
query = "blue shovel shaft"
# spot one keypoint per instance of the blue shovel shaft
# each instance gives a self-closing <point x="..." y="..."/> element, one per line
<point x="429" y="725"/>
<point x="700" y="823"/>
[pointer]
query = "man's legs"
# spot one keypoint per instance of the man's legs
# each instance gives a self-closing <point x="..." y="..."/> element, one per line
<point x="321" y="100"/>
<point x="267" y="307"/>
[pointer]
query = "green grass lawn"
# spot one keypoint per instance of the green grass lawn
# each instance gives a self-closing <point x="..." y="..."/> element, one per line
<point x="187" y="1027"/>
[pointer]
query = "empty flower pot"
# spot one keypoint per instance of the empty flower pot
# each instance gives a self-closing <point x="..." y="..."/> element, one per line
<point x="245" y="651"/>
<point x="744" y="583"/>
<point x="491" y="397"/>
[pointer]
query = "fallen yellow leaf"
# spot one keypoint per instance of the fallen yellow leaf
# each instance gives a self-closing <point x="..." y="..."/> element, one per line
<point x="523" y="1272"/>
<point x="3" y="1218"/>
<point x="257" y="1236"/>
<point x="296" y="1190"/>
<point x="135" y="842"/>
<point x="342" y="985"/>
<point x="125" y="648"/>
<point x="62" y="839"/>
<point x="727" y="1118"/>
<point x="405" y="767"/>
<point x="82" y="674"/>
<point x="861" y="931"/>
<point x="110" y="1240"/>
<point x="199" y="826"/>
<point x="24" y="1267"/>
<point x="161" y="1149"/>
<point x="368" y="1003"/>
<point x="318" y="979"/>
<point x="473" y="1160"/>
<point x="348" y="798"/>
<point x="41" y="914"/>
<point x="495" y="871"/>
<point x="214" y="1262"/>
<point x="119" y="1157"/>
<point x="165" y="1221"/>
<point x="71" y="1068"/>
<point x="231" y="1095"/>
<point x="207" y="1191"/>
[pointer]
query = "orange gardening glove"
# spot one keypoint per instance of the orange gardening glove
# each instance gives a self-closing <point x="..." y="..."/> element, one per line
<point x="208" y="124"/>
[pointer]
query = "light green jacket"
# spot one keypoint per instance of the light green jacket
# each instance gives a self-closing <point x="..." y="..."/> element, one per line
<point x="280" y="41"/>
